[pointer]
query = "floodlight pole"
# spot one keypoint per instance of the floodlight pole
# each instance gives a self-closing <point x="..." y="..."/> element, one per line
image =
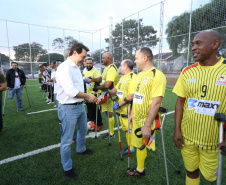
<point x="48" y="45"/>
<point x="122" y="38"/>
<point x="8" y="42"/>
<point x="100" y="48"/>
<point x="64" y="43"/>
<point x="160" y="33"/>
<point x="189" y="35"/>
<point x="138" y="32"/>
<point x="30" y="48"/>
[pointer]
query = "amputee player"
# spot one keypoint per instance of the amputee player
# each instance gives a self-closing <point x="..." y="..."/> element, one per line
<point x="149" y="89"/>
<point x="122" y="90"/>
<point x="92" y="73"/>
<point x="201" y="90"/>
<point x="109" y="81"/>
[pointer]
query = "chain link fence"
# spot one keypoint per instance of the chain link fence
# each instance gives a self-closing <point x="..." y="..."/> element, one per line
<point x="167" y="28"/>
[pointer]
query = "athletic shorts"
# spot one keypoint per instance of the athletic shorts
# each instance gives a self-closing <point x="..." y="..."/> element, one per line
<point x="135" y="141"/>
<point x="206" y="160"/>
<point x="40" y="80"/>
<point x="110" y="106"/>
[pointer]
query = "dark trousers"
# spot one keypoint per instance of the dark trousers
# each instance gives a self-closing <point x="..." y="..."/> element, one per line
<point x="91" y="114"/>
<point x="1" y="121"/>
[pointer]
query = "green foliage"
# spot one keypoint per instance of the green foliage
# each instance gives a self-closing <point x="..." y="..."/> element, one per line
<point x="22" y="51"/>
<point x="3" y="57"/>
<point x="130" y="36"/>
<point x="211" y="15"/>
<point x="96" y="55"/>
<point x="58" y="43"/>
<point x="52" y="56"/>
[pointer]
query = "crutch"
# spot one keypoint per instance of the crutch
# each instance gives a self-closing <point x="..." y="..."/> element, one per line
<point x="4" y="103"/>
<point x="114" y="99"/>
<point x="27" y="96"/>
<point x="221" y="118"/>
<point x="96" y="119"/>
<point x="161" y="110"/>
<point x="129" y="133"/>
<point x="109" y="144"/>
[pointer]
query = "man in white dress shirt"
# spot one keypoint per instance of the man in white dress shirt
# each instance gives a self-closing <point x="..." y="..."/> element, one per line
<point x="71" y="111"/>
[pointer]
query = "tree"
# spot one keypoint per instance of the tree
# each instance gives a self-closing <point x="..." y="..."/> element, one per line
<point x="147" y="36"/>
<point x="52" y="56"/>
<point x="3" y="57"/>
<point x="58" y="43"/>
<point x="22" y="52"/>
<point x="96" y="55"/>
<point x="211" y="15"/>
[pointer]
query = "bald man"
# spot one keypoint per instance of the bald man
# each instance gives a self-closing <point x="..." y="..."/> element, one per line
<point x="201" y="93"/>
<point x="109" y="81"/>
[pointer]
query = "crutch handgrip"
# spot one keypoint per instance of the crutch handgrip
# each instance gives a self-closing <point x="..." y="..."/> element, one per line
<point x="220" y="117"/>
<point x="163" y="110"/>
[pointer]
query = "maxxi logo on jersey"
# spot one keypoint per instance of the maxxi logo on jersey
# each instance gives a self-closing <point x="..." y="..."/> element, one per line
<point x="203" y="106"/>
<point x="138" y="98"/>
<point x="222" y="80"/>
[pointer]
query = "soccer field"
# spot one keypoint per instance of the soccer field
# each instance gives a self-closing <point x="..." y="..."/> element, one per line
<point x="24" y="133"/>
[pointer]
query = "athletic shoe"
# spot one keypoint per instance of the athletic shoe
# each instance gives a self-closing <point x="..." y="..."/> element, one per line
<point x="124" y="152"/>
<point x="134" y="172"/>
<point x="60" y="123"/>
<point x="87" y="151"/>
<point x="106" y="136"/>
<point x="20" y="110"/>
<point x="98" y="128"/>
<point x="48" y="100"/>
<point x="70" y="174"/>
<point x="55" y="106"/>
<point x="50" y="103"/>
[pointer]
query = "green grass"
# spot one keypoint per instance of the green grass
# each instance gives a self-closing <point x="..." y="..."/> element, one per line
<point x="24" y="133"/>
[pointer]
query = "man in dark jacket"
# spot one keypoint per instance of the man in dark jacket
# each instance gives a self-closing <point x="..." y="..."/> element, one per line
<point x="16" y="79"/>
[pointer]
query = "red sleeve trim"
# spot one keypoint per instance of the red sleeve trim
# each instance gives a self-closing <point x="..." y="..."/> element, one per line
<point x="189" y="67"/>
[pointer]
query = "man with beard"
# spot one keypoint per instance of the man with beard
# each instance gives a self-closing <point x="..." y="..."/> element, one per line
<point x="92" y="73"/>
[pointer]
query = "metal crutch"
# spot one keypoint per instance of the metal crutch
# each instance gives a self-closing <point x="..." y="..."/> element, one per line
<point x="109" y="144"/>
<point x="4" y="104"/>
<point x="129" y="132"/>
<point x="96" y="119"/>
<point x="27" y="96"/>
<point x="221" y="118"/>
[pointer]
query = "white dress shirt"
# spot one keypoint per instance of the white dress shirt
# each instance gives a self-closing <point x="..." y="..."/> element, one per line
<point x="70" y="82"/>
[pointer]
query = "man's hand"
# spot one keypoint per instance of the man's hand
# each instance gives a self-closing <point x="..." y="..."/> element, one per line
<point x="116" y="106"/>
<point x="95" y="89"/>
<point x="146" y="131"/>
<point x="21" y="87"/>
<point x="92" y="98"/>
<point x="178" y="139"/>
<point x="223" y="144"/>
<point x="89" y="80"/>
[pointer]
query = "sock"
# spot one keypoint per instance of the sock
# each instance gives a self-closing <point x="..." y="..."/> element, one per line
<point x="128" y="138"/>
<point x="141" y="156"/>
<point x="190" y="181"/>
<point x="111" y="125"/>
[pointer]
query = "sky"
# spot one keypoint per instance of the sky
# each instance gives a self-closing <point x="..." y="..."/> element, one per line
<point x="87" y="15"/>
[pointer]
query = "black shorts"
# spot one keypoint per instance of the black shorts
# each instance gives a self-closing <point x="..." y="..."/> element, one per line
<point x="40" y="80"/>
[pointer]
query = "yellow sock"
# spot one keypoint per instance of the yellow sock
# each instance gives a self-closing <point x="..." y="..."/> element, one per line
<point x="190" y="181"/>
<point x="128" y="138"/>
<point x="111" y="125"/>
<point x="141" y="156"/>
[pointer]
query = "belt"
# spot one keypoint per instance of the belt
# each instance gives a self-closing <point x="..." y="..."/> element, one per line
<point x="77" y="103"/>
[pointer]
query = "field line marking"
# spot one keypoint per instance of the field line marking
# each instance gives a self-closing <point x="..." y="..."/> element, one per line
<point x="45" y="149"/>
<point x="41" y="111"/>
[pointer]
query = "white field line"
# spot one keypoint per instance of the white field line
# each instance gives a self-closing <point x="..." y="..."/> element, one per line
<point x="41" y="111"/>
<point x="45" y="149"/>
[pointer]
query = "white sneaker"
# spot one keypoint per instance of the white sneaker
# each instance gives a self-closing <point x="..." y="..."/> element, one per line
<point x="55" y="106"/>
<point x="48" y="100"/>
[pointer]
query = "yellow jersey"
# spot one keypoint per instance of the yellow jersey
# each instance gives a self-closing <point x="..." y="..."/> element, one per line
<point x="123" y="90"/>
<point x="94" y="73"/>
<point x="110" y="73"/>
<point x="204" y="88"/>
<point x="147" y="85"/>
